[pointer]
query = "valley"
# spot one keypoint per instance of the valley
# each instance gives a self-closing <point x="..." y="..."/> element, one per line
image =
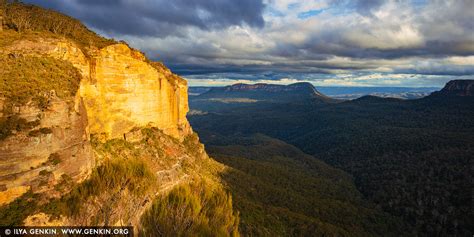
<point x="412" y="158"/>
<point x="99" y="132"/>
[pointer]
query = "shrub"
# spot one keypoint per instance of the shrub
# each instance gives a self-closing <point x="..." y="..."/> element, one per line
<point x="54" y="159"/>
<point x="8" y="124"/>
<point x="191" y="210"/>
<point x="44" y="172"/>
<point x="25" y="17"/>
<point x="15" y="212"/>
<point x="40" y="131"/>
<point x="30" y="78"/>
<point x="112" y="176"/>
<point x="192" y="144"/>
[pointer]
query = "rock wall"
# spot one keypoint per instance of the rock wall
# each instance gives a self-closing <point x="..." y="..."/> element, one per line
<point x="124" y="91"/>
<point x="120" y="87"/>
<point x="120" y="90"/>
<point x="37" y="158"/>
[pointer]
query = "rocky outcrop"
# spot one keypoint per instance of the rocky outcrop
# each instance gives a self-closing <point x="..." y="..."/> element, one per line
<point x="120" y="90"/>
<point x="125" y="91"/>
<point x="55" y="147"/>
<point x="457" y="88"/>
<point x="120" y="87"/>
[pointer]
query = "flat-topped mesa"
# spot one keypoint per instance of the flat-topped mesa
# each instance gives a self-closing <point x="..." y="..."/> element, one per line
<point x="301" y="86"/>
<point x="268" y="92"/>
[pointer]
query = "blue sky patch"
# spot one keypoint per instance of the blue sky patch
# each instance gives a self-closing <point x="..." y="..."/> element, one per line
<point x="308" y="14"/>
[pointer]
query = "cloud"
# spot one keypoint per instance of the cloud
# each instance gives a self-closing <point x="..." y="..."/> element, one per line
<point x="159" y="17"/>
<point x="421" y="41"/>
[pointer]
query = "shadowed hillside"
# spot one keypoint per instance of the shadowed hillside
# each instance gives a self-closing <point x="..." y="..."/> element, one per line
<point x="410" y="157"/>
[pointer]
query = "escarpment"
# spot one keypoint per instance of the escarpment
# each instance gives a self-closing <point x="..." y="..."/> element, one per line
<point x="119" y="90"/>
<point x="94" y="133"/>
<point x="120" y="87"/>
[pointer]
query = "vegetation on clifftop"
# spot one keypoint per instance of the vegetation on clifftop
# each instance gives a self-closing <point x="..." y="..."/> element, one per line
<point x="25" y="78"/>
<point x="23" y="17"/>
<point x="196" y="209"/>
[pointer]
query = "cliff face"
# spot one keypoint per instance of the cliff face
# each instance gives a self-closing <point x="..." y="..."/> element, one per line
<point x="92" y="133"/>
<point x="119" y="91"/>
<point x="55" y="145"/>
<point x="457" y="88"/>
<point x="267" y="92"/>
<point x="124" y="91"/>
<point x="296" y="87"/>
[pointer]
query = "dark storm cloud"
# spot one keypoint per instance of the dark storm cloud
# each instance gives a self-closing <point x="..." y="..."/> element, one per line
<point x="159" y="17"/>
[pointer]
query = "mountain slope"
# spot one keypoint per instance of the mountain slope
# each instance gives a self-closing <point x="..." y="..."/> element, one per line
<point x="410" y="157"/>
<point x="281" y="191"/>
<point x="93" y="133"/>
<point x="457" y="88"/>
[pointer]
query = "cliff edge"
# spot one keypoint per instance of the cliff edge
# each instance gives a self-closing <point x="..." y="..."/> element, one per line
<point x="93" y="133"/>
<point x="457" y="88"/>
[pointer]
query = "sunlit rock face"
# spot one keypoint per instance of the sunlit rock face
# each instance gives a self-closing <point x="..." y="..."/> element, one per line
<point x="124" y="91"/>
<point x="119" y="90"/>
<point x="37" y="158"/>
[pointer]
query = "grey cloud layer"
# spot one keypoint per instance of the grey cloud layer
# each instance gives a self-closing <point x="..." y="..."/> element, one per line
<point x="241" y="37"/>
<point x="159" y="17"/>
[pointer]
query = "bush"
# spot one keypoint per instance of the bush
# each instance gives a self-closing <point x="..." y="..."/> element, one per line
<point x="14" y="213"/>
<point x="25" y="17"/>
<point x="30" y="78"/>
<point x="191" y="210"/>
<point x="54" y="159"/>
<point x="112" y="176"/>
<point x="192" y="144"/>
<point x="8" y="124"/>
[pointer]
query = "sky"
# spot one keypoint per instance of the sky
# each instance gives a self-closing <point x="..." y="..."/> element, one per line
<point x="413" y="43"/>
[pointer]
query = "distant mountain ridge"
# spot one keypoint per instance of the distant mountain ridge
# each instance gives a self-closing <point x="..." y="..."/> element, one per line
<point x="402" y="153"/>
<point x="457" y="88"/>
<point x="263" y="91"/>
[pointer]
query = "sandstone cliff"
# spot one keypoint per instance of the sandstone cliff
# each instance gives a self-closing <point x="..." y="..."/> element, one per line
<point x="93" y="133"/>
<point x="119" y="90"/>
<point x="120" y="87"/>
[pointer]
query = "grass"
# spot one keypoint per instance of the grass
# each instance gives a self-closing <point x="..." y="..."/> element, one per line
<point x="122" y="169"/>
<point x="25" y="79"/>
<point x="196" y="209"/>
<point x="14" y="213"/>
<point x="123" y="177"/>
<point x="30" y="78"/>
<point x="192" y="144"/>
<point x="112" y="176"/>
